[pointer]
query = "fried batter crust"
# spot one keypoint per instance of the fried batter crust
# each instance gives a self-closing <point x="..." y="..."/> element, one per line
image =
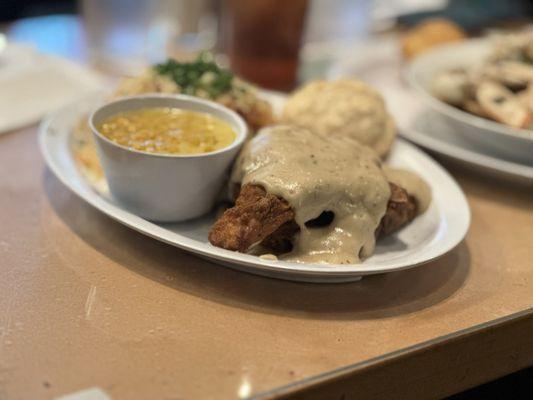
<point x="401" y="209"/>
<point x="256" y="215"/>
<point x="260" y="217"/>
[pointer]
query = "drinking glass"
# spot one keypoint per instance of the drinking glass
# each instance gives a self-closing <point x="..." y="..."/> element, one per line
<point x="124" y="36"/>
<point x="262" y="39"/>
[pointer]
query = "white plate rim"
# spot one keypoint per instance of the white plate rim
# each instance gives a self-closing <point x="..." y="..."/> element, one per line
<point x="85" y="192"/>
<point x="466" y="155"/>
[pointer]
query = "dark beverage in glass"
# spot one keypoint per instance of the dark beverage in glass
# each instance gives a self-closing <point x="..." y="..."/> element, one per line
<point x="262" y="39"/>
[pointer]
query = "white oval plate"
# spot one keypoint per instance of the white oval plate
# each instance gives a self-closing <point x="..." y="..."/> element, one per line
<point x="380" y="64"/>
<point x="429" y="236"/>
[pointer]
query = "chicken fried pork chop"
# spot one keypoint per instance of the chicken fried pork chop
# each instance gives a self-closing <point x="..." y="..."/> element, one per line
<point x="260" y="217"/>
<point x="255" y="216"/>
<point x="318" y="198"/>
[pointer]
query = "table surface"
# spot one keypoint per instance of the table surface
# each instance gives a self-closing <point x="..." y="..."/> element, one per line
<point x="86" y="302"/>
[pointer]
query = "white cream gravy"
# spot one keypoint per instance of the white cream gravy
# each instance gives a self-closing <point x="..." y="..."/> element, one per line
<point x="317" y="173"/>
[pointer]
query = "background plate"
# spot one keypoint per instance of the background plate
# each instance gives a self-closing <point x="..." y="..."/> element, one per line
<point x="499" y="139"/>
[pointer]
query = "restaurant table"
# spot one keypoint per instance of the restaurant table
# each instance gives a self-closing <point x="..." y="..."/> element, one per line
<point x="88" y="304"/>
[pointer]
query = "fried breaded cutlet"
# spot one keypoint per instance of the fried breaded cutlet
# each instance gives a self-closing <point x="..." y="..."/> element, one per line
<point x="261" y="217"/>
<point x="255" y="216"/>
<point x="401" y="209"/>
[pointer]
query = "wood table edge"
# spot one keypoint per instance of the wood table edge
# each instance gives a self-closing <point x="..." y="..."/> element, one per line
<point x="433" y="369"/>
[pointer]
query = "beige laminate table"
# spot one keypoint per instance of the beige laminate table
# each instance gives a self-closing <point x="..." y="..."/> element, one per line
<point x="86" y="302"/>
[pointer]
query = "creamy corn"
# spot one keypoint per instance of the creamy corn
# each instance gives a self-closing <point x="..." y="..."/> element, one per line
<point x="168" y="131"/>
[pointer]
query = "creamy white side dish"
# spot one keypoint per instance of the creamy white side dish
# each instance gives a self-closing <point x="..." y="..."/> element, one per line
<point x="345" y="107"/>
<point x="317" y="173"/>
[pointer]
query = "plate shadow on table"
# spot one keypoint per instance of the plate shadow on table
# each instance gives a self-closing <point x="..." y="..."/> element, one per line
<point x="377" y="296"/>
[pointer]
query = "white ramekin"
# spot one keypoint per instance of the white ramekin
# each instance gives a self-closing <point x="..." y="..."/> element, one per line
<point x="161" y="187"/>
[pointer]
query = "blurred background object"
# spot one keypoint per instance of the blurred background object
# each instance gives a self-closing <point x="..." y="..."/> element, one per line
<point x="3" y="42"/>
<point x="263" y="38"/>
<point x="197" y="28"/>
<point x="273" y="43"/>
<point x="16" y="9"/>
<point x="474" y="15"/>
<point x="124" y="36"/>
<point x="429" y="33"/>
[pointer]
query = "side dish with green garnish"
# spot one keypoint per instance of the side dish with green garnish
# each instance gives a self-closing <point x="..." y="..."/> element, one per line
<point x="204" y="78"/>
<point x="201" y="77"/>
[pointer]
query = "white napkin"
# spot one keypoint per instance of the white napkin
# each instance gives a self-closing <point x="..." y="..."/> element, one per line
<point x="33" y="84"/>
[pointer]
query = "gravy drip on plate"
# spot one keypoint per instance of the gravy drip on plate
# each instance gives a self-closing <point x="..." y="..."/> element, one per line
<point x="413" y="184"/>
<point x="317" y="173"/>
